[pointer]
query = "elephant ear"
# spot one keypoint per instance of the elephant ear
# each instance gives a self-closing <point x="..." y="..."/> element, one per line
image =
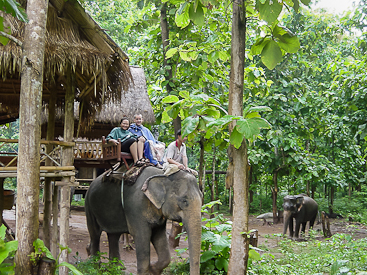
<point x="156" y="191"/>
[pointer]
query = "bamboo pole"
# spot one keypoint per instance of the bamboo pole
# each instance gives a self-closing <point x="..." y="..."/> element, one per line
<point x="67" y="160"/>
<point x="47" y="191"/>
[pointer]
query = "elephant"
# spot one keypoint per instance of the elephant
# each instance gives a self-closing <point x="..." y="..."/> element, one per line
<point x="302" y="208"/>
<point x="144" y="214"/>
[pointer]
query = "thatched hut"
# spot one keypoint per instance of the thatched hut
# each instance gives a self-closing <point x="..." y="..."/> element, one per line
<point x="134" y="100"/>
<point x="73" y="37"/>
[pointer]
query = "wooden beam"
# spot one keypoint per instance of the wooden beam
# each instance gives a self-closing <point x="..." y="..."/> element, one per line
<point x="42" y="168"/>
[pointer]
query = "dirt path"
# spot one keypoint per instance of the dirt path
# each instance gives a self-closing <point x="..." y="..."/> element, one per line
<point x="79" y="236"/>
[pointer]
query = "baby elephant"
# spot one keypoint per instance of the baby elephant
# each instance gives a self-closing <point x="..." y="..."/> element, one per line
<point x="300" y="207"/>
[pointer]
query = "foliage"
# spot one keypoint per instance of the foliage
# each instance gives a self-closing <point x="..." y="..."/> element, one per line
<point x="341" y="254"/>
<point x="99" y="265"/>
<point x="7" y="250"/>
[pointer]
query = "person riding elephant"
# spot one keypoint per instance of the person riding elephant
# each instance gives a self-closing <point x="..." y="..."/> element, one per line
<point x="143" y="214"/>
<point x="300" y="207"/>
<point x="129" y="142"/>
<point x="145" y="136"/>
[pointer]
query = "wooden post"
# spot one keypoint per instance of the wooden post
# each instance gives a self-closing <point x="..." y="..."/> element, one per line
<point x="67" y="160"/>
<point x="47" y="192"/>
<point x="55" y="221"/>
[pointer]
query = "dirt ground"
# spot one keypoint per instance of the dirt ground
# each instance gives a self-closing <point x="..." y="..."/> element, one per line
<point x="79" y="236"/>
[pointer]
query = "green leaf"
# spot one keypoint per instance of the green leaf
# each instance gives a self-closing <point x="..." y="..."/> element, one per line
<point x="251" y="127"/>
<point x="306" y="2"/>
<point x="72" y="268"/>
<point x="289" y="43"/>
<point x="223" y="121"/>
<point x="213" y="56"/>
<point x="174" y="111"/>
<point x="2" y="231"/>
<point x="271" y="55"/>
<point x="184" y="94"/>
<point x="182" y="17"/>
<point x="258" y="47"/>
<point x="184" y="56"/>
<point x="221" y="263"/>
<point x="189" y="125"/>
<point x="197" y="14"/>
<point x="254" y="255"/>
<point x="3" y="40"/>
<point x="207" y="255"/>
<point x="256" y="109"/>
<point x="165" y="117"/>
<point x="236" y="138"/>
<point x="15" y="9"/>
<point x="295" y="5"/>
<point x="270" y="12"/>
<point x="171" y="52"/>
<point x="170" y="99"/>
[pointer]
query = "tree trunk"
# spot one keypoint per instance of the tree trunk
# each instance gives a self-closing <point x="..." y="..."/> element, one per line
<point x="29" y="134"/>
<point x="201" y="167"/>
<point x="67" y="160"/>
<point x="251" y="192"/>
<point x="212" y="189"/>
<point x="237" y="262"/>
<point x="1" y="199"/>
<point x="274" y="192"/>
<point x="47" y="192"/>
<point x="349" y="191"/>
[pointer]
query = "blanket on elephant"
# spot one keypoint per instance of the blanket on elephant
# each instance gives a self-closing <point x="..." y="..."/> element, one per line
<point x="133" y="173"/>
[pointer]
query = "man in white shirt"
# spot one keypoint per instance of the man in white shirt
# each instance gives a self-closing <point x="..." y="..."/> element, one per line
<point x="176" y="152"/>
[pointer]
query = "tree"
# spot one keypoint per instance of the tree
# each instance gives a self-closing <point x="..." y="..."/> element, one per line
<point x="29" y="134"/>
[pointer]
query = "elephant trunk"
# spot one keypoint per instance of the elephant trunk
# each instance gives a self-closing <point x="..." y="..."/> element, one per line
<point x="287" y="215"/>
<point x="192" y="222"/>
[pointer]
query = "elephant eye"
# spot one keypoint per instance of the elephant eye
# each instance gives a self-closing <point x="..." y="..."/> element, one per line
<point x="183" y="203"/>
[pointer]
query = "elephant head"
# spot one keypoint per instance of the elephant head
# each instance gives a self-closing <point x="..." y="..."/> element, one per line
<point x="179" y="198"/>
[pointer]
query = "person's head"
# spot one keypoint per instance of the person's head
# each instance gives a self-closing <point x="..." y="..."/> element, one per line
<point x="179" y="136"/>
<point x="138" y="119"/>
<point x="125" y="123"/>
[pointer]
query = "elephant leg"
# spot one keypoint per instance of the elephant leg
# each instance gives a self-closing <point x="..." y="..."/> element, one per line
<point x="160" y="243"/>
<point x="312" y="221"/>
<point x="298" y="225"/>
<point x="303" y="229"/>
<point x="95" y="236"/>
<point x="113" y="245"/>
<point x="291" y="227"/>
<point x="142" y="245"/>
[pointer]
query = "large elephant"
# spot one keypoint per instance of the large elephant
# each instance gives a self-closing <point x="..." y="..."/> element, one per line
<point x="300" y="207"/>
<point x="144" y="215"/>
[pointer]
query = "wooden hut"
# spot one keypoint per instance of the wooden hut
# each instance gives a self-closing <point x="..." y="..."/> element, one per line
<point x="77" y="45"/>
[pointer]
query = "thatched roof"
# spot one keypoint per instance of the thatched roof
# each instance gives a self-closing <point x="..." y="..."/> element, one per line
<point x="72" y="38"/>
<point x="133" y="101"/>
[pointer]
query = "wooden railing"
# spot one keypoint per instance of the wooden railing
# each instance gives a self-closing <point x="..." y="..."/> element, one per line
<point x="88" y="150"/>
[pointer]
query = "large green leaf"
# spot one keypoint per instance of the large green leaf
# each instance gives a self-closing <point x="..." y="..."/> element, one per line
<point x="270" y="11"/>
<point x="271" y="55"/>
<point x="236" y="138"/>
<point x="258" y="47"/>
<point x="254" y="255"/>
<point x="289" y="43"/>
<point x="221" y="263"/>
<point x="165" y="117"/>
<point x="171" y="52"/>
<point x="170" y="99"/>
<point x="189" y="125"/>
<point x="221" y="243"/>
<point x="182" y="17"/>
<point x="252" y="109"/>
<point x="251" y="127"/>
<point x="3" y="40"/>
<point x="197" y="14"/>
<point x="207" y="255"/>
<point x="223" y="121"/>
